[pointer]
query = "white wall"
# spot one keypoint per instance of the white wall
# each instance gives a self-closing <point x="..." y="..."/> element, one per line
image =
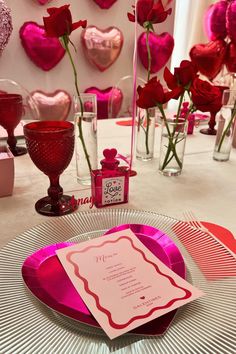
<point x="15" y="64"/>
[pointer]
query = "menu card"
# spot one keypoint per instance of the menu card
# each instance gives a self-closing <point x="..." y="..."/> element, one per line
<point x="123" y="284"/>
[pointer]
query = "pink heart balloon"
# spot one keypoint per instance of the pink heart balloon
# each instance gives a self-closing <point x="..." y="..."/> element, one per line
<point x="102" y="47"/>
<point x="45" y="52"/>
<point x="215" y="20"/>
<point x="52" y="106"/>
<point x="231" y="20"/>
<point x="43" y="2"/>
<point x="105" y="4"/>
<point x="161" y="47"/>
<point x="103" y="97"/>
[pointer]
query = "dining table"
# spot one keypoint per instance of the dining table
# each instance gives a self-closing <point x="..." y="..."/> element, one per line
<point x="205" y="187"/>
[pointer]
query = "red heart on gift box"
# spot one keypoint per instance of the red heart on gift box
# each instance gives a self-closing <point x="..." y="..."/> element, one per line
<point x="105" y="4"/>
<point x="103" y="99"/>
<point x="161" y="47"/>
<point x="52" y="106"/>
<point x="209" y="57"/>
<point x="102" y="47"/>
<point x="44" y="51"/>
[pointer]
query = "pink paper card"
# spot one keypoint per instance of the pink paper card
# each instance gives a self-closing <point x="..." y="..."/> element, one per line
<point x="123" y="284"/>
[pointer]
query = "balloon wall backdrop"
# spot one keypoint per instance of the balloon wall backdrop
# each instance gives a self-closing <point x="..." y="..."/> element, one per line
<point x="104" y="53"/>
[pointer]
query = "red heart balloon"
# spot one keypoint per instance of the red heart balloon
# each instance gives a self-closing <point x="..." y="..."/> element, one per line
<point x="102" y="47"/>
<point x="103" y="97"/>
<point x="52" y="106"/>
<point x="215" y="20"/>
<point x="231" y="20"/>
<point x="209" y="57"/>
<point x="230" y="59"/>
<point x="105" y="4"/>
<point x="44" y="51"/>
<point x="161" y="47"/>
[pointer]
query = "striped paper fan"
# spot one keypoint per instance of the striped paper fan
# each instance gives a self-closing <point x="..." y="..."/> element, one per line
<point x="213" y="258"/>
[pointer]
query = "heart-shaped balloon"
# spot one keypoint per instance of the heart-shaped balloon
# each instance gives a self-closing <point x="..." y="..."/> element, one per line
<point x="215" y="20"/>
<point x="5" y="25"/>
<point x="230" y="59"/>
<point x="161" y="47"/>
<point x="209" y="58"/>
<point x="231" y="20"/>
<point x="44" y="51"/>
<point x="105" y="4"/>
<point x="102" y="47"/>
<point x="43" y="2"/>
<point x="104" y="99"/>
<point x="52" y="106"/>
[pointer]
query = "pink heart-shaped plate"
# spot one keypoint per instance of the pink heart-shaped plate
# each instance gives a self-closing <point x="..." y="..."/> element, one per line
<point x="55" y="289"/>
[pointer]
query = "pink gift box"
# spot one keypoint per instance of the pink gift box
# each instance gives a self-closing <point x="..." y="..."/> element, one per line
<point x="6" y="171"/>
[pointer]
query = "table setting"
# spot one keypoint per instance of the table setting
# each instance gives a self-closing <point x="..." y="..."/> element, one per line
<point x="118" y="235"/>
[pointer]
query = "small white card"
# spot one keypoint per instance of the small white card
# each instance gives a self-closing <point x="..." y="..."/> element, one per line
<point x="123" y="284"/>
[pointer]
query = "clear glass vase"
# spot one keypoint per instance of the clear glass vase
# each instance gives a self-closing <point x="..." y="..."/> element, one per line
<point x="226" y="127"/>
<point x="85" y="107"/>
<point x="173" y="139"/>
<point x="145" y="133"/>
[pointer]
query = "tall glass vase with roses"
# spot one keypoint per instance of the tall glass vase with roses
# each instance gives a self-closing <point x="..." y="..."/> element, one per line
<point x="59" y="24"/>
<point x="149" y="12"/>
<point x="201" y="95"/>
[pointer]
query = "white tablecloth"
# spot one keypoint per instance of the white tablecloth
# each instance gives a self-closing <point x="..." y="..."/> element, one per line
<point x="205" y="186"/>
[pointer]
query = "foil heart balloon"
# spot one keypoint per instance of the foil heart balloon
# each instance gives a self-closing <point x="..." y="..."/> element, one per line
<point x="161" y="47"/>
<point x="231" y="20"/>
<point x="45" y="52"/>
<point x="230" y="59"/>
<point x="110" y="96"/>
<point x="215" y="20"/>
<point x="52" y="106"/>
<point x="209" y="58"/>
<point x="43" y="2"/>
<point x="105" y="4"/>
<point x="102" y="47"/>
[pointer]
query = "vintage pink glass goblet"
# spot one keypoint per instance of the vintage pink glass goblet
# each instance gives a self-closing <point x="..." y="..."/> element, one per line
<point x="50" y="145"/>
<point x="11" y="110"/>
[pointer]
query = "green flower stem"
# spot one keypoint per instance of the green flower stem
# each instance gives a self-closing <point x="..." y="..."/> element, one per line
<point x="148" y="78"/>
<point x="228" y="127"/>
<point x="171" y="145"/>
<point x="65" y="42"/>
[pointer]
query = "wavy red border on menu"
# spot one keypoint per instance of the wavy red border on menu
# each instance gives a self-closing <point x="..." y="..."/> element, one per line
<point x="96" y="297"/>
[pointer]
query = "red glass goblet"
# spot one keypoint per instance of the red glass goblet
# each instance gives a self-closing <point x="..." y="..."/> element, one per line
<point x="11" y="109"/>
<point x="50" y="145"/>
<point x="211" y="125"/>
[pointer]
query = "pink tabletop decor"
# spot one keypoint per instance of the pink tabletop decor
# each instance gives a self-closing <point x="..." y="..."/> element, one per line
<point x="52" y="106"/>
<point x="55" y="289"/>
<point x="102" y="47"/>
<point x="44" y="52"/>
<point x="103" y="100"/>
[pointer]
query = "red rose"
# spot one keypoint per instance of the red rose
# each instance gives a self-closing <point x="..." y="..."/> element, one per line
<point x="59" y="23"/>
<point x="206" y="97"/>
<point x="182" y="78"/>
<point x="153" y="94"/>
<point x="150" y="11"/>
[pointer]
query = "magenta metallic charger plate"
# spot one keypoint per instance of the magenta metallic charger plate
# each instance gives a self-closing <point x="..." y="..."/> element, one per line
<point x="47" y="280"/>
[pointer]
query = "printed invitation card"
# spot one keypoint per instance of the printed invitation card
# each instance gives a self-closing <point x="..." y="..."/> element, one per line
<point x="122" y="283"/>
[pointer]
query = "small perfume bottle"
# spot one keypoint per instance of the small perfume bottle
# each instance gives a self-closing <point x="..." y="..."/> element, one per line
<point x="110" y="184"/>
